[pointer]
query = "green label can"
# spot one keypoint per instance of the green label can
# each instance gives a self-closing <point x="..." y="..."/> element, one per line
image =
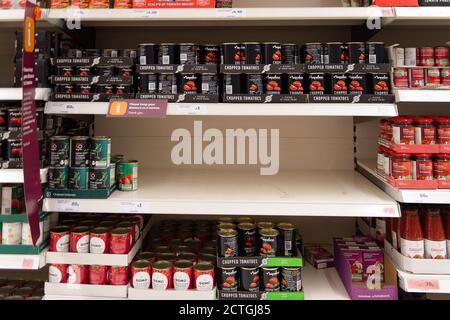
<point x="78" y="178"/>
<point x="128" y="175"/>
<point x="79" y="151"/>
<point x="100" y="152"/>
<point x="59" y="151"/>
<point x="99" y="178"/>
<point x="58" y="178"/>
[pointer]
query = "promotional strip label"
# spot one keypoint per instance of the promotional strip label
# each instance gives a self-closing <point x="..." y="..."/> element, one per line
<point x="90" y="62"/>
<point x="137" y="109"/>
<point x="174" y="68"/>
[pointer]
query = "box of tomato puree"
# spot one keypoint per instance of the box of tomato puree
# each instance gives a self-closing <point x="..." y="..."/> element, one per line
<point x="373" y="262"/>
<point x="319" y="257"/>
<point x="174" y="4"/>
<point x="354" y="259"/>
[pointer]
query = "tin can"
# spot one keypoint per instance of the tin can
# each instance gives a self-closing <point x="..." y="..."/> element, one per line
<point x="169" y="53"/>
<point x="167" y="84"/>
<point x="249" y="279"/>
<point x="74" y="53"/>
<point x="188" y="53"/>
<point x="209" y="83"/>
<point x="228" y="242"/>
<point x="83" y="71"/>
<point x="226" y="225"/>
<point x="335" y="53"/>
<point x="189" y="84"/>
<point x="118" y="275"/>
<point x="445" y="76"/>
<point x="85" y="89"/>
<point x="290" y="53"/>
<point x="120" y="241"/>
<point x="162" y="275"/>
<point x="317" y="83"/>
<point x="58" y="178"/>
<point x="207" y="257"/>
<point x="399" y="55"/>
<point x="98" y="275"/>
<point x="110" y="53"/>
<point x="128" y="175"/>
<point x="59" y="151"/>
<point x="233" y="84"/>
<point x="125" y="71"/>
<point x="254" y="83"/>
<point x="183" y="274"/>
<point x="24" y="292"/>
<point x="99" y="240"/>
<point x="291" y="279"/>
<point x="247" y="239"/>
<point x="229" y="279"/>
<point x="313" y="53"/>
<point x="412" y="57"/>
<point x="138" y="224"/>
<point x="14" y="150"/>
<point x="401" y="79"/>
<point x="59" y="239"/>
<point x="274" y="84"/>
<point x="105" y="71"/>
<point x="99" y="4"/>
<point x="190" y="256"/>
<point x="11" y="233"/>
<point x="3" y="119"/>
<point x="433" y="76"/>
<point x="265" y="225"/>
<point x="376" y="52"/>
<point x="357" y="52"/>
<point x="148" y="53"/>
<point x="204" y="276"/>
<point x="148" y="83"/>
<point x="357" y="83"/>
<point x="57" y="273"/>
<point x="296" y="83"/>
<point x="286" y="243"/>
<point x="79" y="240"/>
<point x="131" y="230"/>
<point x="268" y="239"/>
<point x="339" y="83"/>
<point x="14" y="119"/>
<point x="271" y="279"/>
<point x="65" y="71"/>
<point x="99" y="178"/>
<point x="124" y="89"/>
<point x="210" y="54"/>
<point x="233" y="53"/>
<point x="380" y="83"/>
<point x="141" y="274"/>
<point x="105" y="88"/>
<point x="65" y="88"/>
<point x="417" y="77"/>
<point x="252" y="53"/>
<point x="272" y="53"/>
<point x="78" y="178"/>
<point x="441" y="56"/>
<point x="78" y="274"/>
<point x="129" y="53"/>
<point x="100" y="152"/>
<point x="147" y="256"/>
<point x="426" y="56"/>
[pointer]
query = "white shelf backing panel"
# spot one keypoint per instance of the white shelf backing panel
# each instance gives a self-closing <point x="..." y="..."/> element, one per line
<point x="422" y="95"/>
<point x="14" y="94"/>
<point x="22" y="262"/>
<point x="322" y="284"/>
<point x="231" y="192"/>
<point x="438" y="196"/>
<point x="98" y="259"/>
<point x="424" y="283"/>
<point x="16" y="175"/>
<point x="150" y="294"/>
<point x="240" y="109"/>
<point x="85" y="290"/>
<point x="235" y="16"/>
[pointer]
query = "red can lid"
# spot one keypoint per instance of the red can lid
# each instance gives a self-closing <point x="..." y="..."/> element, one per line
<point x="423" y="120"/>
<point x="442" y="120"/>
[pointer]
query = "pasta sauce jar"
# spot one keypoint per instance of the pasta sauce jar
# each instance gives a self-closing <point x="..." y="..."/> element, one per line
<point x="434" y="234"/>
<point x="422" y="167"/>
<point x="403" y="130"/>
<point x="402" y="167"/>
<point x="443" y="130"/>
<point x="442" y="166"/>
<point x="424" y="131"/>
<point x="411" y="236"/>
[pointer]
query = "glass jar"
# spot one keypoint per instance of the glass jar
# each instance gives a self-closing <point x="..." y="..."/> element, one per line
<point x="411" y="236"/>
<point x="403" y="130"/>
<point x="442" y="166"/>
<point x="402" y="167"/>
<point x="424" y="131"/>
<point x="422" y="167"/>
<point x="442" y="130"/>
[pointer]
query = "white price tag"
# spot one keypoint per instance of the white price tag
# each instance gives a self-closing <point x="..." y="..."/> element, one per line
<point x="191" y="109"/>
<point x="231" y="13"/>
<point x="145" y="13"/>
<point x="67" y="205"/>
<point x="61" y="108"/>
<point x="132" y="207"/>
<point x="387" y="12"/>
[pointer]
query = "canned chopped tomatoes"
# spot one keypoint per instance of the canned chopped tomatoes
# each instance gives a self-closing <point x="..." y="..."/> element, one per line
<point x="162" y="275"/>
<point x="118" y="275"/>
<point x="445" y="76"/>
<point x="433" y="76"/>
<point x="141" y="274"/>
<point x="417" y="77"/>
<point x="401" y="78"/>
<point x="59" y="239"/>
<point x="57" y="273"/>
<point x="183" y="275"/>
<point x="98" y="275"/>
<point x="204" y="276"/>
<point x="99" y="240"/>
<point x="120" y="241"/>
<point x="78" y="274"/>
<point x="79" y="240"/>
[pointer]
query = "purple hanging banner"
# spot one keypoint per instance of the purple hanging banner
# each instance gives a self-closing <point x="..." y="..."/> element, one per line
<point x="31" y="165"/>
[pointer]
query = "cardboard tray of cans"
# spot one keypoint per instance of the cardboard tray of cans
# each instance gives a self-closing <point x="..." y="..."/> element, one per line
<point x="181" y="98"/>
<point x="418" y="266"/>
<point x="415" y="148"/>
<point x="99" y="259"/>
<point x="245" y="295"/>
<point x="171" y="294"/>
<point x="102" y="80"/>
<point x="91" y="97"/>
<point x="79" y="194"/>
<point x="259" y="261"/>
<point x="308" y="98"/>
<point x="175" y="68"/>
<point x="99" y="61"/>
<point x="301" y="68"/>
<point x="85" y="290"/>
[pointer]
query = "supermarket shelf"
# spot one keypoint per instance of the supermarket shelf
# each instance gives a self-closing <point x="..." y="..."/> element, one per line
<point x="215" y="17"/>
<point x="415" y="16"/>
<point x="322" y="284"/>
<point x="13" y="94"/>
<point x="426" y="283"/>
<point x="439" y="196"/>
<point x="62" y="297"/>
<point x="151" y="294"/>
<point x="22" y="262"/>
<point x="422" y="95"/>
<point x="289" y="193"/>
<point x="238" y="109"/>
<point x="16" y="175"/>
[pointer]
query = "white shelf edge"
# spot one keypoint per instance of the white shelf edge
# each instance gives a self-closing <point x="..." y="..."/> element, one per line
<point x="22" y="261"/>
<point x="407" y="95"/>
<point x="85" y="290"/>
<point x="438" y="196"/>
<point x="238" y="109"/>
<point x="423" y="283"/>
<point x="151" y="294"/>
<point x="322" y="284"/>
<point x="15" y="94"/>
<point x="16" y="175"/>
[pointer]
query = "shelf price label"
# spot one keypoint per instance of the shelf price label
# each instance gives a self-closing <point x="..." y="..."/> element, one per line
<point x="132" y="207"/>
<point x="424" y="285"/>
<point x="148" y="13"/>
<point x="61" y="107"/>
<point x="191" y="109"/>
<point x="231" y="13"/>
<point x="387" y="12"/>
<point x="67" y="205"/>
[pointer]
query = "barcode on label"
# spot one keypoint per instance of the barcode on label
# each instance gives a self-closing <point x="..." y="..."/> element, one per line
<point x="174" y="89"/>
<point x="143" y="60"/>
<point x="288" y="245"/>
<point x="183" y="57"/>
<point x="166" y="59"/>
<point x="152" y="86"/>
<point x="372" y="58"/>
<point x="229" y="89"/>
<point x="205" y="86"/>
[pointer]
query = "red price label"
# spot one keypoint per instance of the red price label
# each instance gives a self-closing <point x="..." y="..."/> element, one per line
<point x="424" y="285"/>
